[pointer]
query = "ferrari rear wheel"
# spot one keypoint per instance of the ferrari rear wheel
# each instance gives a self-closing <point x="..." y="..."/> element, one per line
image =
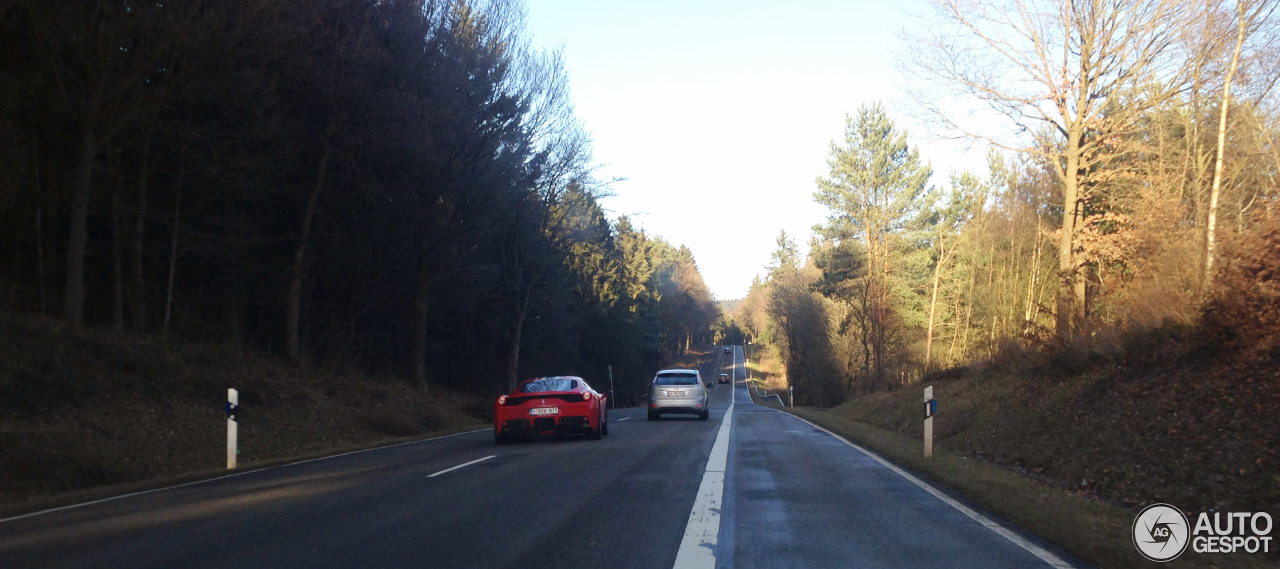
<point x="604" y="427"/>
<point x="594" y="434"/>
<point x="499" y="438"/>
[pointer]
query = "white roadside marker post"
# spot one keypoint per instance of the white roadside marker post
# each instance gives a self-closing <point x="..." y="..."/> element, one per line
<point x="930" y="407"/>
<point x="233" y="407"/>
<point x="791" y="396"/>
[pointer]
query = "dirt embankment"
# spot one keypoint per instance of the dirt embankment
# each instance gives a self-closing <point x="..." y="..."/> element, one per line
<point x="1197" y="430"/>
<point x="90" y="414"/>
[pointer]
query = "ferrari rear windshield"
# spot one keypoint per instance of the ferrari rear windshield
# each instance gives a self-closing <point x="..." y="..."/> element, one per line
<point x="549" y="384"/>
<point x="676" y="379"/>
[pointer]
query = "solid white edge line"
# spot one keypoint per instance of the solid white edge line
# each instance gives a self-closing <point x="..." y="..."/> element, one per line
<point x="465" y="464"/>
<point x="1044" y="555"/>
<point x="226" y="476"/>
<point x="702" y="533"/>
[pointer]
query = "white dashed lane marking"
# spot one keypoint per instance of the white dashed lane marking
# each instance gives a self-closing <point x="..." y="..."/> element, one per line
<point x="461" y="466"/>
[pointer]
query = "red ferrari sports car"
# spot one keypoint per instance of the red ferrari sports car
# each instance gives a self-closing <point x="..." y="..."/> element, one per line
<point x="560" y="405"/>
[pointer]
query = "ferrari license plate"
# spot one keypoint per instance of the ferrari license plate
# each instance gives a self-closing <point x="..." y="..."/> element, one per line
<point x="544" y="410"/>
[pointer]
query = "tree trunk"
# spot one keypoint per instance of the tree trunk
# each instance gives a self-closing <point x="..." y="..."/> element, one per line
<point x="42" y="286"/>
<point x="73" y="300"/>
<point x="1217" y="166"/>
<point x="173" y="259"/>
<point x="1066" y="268"/>
<point x="1082" y="299"/>
<point x="117" y="270"/>
<point x="40" y="256"/>
<point x="235" y="316"/>
<point x="877" y="345"/>
<point x="933" y="309"/>
<point x="420" y="301"/>
<point x="1029" y="312"/>
<point x="865" y="324"/>
<point x="139" y="299"/>
<point x="513" y="344"/>
<point x="956" y="330"/>
<point x="882" y="318"/>
<point x="933" y="301"/>
<point x="294" y="299"/>
<point x="968" y="317"/>
<point x="876" y="309"/>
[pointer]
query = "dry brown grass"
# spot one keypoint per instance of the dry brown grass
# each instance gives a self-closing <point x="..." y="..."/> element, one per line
<point x="691" y="359"/>
<point x="1129" y="434"/>
<point x="84" y="412"/>
<point x="1245" y="308"/>
<point x="764" y="366"/>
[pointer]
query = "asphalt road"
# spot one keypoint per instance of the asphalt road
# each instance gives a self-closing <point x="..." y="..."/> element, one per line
<point x="775" y="492"/>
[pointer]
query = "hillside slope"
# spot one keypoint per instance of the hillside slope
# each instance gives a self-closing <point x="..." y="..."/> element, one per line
<point x="97" y="411"/>
<point x="1198" y="430"/>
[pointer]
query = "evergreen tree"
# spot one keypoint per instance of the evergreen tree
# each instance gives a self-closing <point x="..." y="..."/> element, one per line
<point x="872" y="191"/>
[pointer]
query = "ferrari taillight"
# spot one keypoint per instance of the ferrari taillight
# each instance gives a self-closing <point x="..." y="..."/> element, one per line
<point x="586" y="396"/>
<point x="502" y="399"/>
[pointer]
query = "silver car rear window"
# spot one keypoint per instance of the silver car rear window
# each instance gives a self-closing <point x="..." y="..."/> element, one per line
<point x="676" y="379"/>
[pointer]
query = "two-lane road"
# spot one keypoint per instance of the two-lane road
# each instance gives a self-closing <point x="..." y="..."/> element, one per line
<point x="792" y="496"/>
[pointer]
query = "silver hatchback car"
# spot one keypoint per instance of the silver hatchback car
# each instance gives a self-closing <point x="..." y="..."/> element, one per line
<point x="678" y="391"/>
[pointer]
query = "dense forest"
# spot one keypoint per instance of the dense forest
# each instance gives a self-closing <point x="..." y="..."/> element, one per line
<point x="1132" y="185"/>
<point x="394" y="186"/>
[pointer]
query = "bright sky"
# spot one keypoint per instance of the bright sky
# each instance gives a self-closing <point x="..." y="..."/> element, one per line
<point x="719" y="114"/>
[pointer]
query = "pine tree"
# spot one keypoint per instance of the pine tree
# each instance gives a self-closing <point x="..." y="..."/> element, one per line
<point x="872" y="190"/>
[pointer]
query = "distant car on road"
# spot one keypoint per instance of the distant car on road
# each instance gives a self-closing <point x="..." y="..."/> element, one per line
<point x="678" y="391"/>
<point x="560" y="405"/>
<point x="728" y="350"/>
<point x="724" y="378"/>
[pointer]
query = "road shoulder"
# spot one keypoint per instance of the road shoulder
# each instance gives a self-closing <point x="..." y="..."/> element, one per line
<point x="1092" y="531"/>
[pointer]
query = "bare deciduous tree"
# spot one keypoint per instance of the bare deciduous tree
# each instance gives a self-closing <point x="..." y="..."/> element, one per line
<point x="1047" y="78"/>
<point x="1248" y="14"/>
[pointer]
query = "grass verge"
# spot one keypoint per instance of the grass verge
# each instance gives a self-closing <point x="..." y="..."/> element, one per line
<point x="88" y="415"/>
<point x="761" y="396"/>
